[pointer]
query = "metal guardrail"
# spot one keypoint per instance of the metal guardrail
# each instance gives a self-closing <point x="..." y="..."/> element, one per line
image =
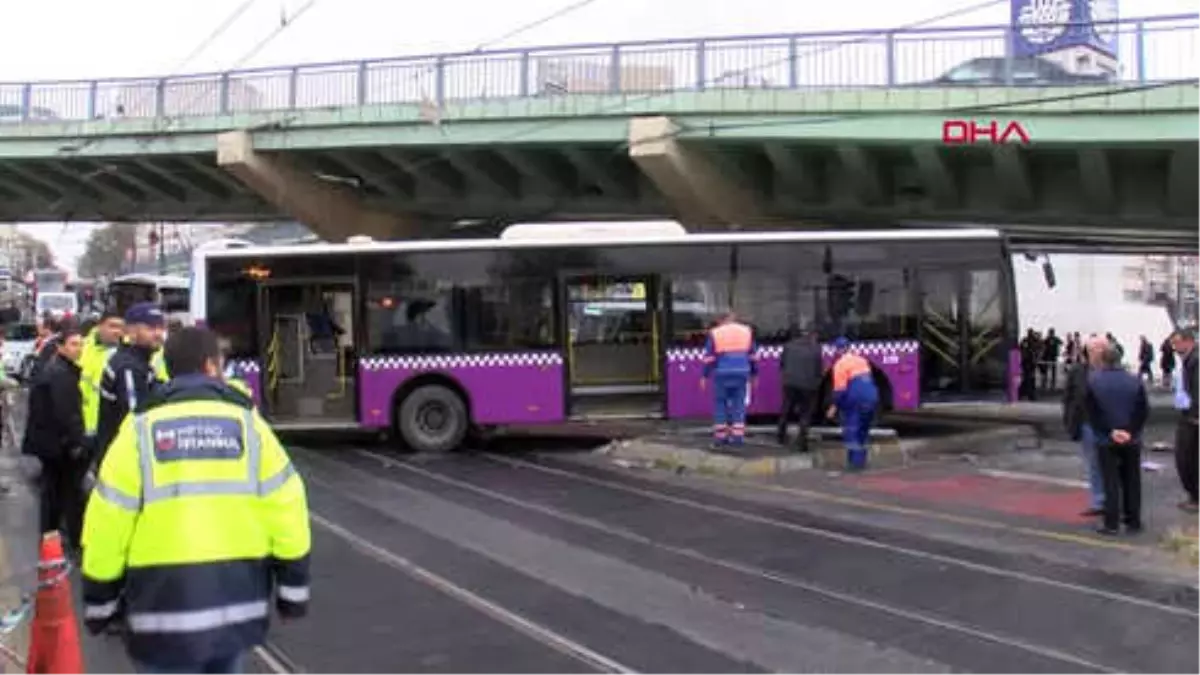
<point x="1152" y="49"/>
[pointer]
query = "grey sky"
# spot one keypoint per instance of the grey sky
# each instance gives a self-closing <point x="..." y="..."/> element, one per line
<point x="59" y="39"/>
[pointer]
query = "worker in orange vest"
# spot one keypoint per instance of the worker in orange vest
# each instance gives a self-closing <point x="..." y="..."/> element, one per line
<point x="731" y="359"/>
<point x="855" y="399"/>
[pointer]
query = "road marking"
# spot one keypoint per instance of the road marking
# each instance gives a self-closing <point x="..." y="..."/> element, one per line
<point x="541" y="634"/>
<point x="1034" y="478"/>
<point x="275" y="665"/>
<point x="849" y="539"/>
<point x="749" y="570"/>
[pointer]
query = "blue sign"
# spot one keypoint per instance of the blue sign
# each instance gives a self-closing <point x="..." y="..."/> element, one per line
<point x="1044" y="26"/>
<point x="197" y="438"/>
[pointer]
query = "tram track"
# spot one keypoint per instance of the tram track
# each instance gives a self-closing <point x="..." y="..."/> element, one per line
<point x="430" y="475"/>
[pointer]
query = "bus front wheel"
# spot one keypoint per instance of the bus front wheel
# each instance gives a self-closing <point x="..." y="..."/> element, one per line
<point x="433" y="418"/>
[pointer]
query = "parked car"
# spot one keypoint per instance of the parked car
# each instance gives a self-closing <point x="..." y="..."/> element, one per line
<point x="19" y="339"/>
<point x="990" y="71"/>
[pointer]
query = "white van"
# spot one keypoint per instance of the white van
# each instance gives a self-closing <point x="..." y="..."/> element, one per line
<point x="57" y="304"/>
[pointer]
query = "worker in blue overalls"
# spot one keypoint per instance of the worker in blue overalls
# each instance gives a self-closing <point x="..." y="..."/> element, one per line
<point x="855" y="400"/>
<point x="731" y="359"/>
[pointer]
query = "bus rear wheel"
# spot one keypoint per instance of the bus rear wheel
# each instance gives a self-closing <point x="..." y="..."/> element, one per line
<point x="432" y="418"/>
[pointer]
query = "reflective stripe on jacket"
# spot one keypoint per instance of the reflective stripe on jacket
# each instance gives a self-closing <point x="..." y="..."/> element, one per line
<point x="197" y="518"/>
<point x="730" y="349"/>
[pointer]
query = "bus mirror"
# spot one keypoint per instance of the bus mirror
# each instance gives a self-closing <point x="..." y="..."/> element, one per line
<point x="1048" y="274"/>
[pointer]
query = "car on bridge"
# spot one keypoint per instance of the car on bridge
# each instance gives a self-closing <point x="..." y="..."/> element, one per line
<point x="989" y="71"/>
<point x="13" y="113"/>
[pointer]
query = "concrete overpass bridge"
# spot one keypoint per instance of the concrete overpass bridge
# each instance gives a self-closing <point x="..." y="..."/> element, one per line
<point x="765" y="131"/>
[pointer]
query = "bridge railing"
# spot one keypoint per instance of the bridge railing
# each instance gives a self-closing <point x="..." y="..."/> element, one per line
<point x="1153" y="49"/>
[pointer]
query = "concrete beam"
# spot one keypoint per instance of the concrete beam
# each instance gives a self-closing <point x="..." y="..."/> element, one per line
<point x="1012" y="177"/>
<point x="939" y="182"/>
<point x="704" y="195"/>
<point x="332" y="212"/>
<point x="538" y="171"/>
<point x="798" y="179"/>
<point x="1095" y="173"/>
<point x="862" y="173"/>
<point x="1182" y="171"/>
<point x="592" y="170"/>
<point x="481" y="170"/>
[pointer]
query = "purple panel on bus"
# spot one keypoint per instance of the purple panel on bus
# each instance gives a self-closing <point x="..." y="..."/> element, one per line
<point x="248" y="371"/>
<point x="503" y="388"/>
<point x="1014" y="375"/>
<point x="898" y="359"/>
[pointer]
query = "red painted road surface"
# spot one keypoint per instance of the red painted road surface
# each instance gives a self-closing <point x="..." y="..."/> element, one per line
<point x="1003" y="495"/>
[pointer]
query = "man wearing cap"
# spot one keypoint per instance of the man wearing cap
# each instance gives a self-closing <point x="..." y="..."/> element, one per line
<point x="855" y="398"/>
<point x="129" y="376"/>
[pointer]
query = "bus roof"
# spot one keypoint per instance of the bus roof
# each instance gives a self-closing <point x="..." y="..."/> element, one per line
<point x="157" y="280"/>
<point x="429" y="246"/>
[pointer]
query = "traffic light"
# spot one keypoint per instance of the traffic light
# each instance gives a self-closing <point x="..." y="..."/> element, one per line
<point x="840" y="295"/>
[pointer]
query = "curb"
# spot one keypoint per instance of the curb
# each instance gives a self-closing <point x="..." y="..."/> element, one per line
<point x="1185" y="542"/>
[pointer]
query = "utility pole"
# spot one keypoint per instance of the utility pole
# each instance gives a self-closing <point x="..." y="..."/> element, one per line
<point x="162" y="250"/>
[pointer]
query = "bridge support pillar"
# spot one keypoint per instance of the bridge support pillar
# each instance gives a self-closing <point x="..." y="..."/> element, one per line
<point x="705" y="193"/>
<point x="332" y="212"/>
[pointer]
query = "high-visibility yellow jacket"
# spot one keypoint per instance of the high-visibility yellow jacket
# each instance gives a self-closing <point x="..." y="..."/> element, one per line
<point x="159" y="364"/>
<point x="197" y="518"/>
<point x="91" y="366"/>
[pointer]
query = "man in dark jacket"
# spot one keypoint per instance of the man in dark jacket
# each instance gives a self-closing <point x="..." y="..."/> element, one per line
<point x="801" y="370"/>
<point x="129" y="376"/>
<point x="49" y="329"/>
<point x="54" y="434"/>
<point x="1118" y="410"/>
<point x="1075" y="419"/>
<point x="1187" y="400"/>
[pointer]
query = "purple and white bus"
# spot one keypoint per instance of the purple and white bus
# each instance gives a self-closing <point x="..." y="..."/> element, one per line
<point x="432" y="338"/>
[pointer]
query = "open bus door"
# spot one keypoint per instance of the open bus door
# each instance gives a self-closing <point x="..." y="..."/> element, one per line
<point x="614" y="346"/>
<point x="308" y="347"/>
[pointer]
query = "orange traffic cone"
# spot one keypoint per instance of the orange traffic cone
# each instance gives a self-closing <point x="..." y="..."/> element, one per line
<point x="54" y="635"/>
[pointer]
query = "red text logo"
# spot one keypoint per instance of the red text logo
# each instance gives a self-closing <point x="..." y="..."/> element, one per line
<point x="993" y="132"/>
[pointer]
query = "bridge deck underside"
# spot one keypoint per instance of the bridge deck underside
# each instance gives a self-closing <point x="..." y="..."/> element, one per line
<point x="1059" y="194"/>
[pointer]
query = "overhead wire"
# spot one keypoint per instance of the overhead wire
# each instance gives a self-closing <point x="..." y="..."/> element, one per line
<point x="215" y="35"/>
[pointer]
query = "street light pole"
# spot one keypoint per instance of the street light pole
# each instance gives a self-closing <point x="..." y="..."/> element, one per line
<point x="162" y="251"/>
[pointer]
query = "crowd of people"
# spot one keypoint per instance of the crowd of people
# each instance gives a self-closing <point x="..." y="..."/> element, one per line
<point x="166" y="483"/>
<point x="1106" y="408"/>
<point x="1043" y="356"/>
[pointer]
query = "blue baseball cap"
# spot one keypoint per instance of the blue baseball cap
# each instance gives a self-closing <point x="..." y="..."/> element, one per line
<point x="841" y="342"/>
<point x="145" y="313"/>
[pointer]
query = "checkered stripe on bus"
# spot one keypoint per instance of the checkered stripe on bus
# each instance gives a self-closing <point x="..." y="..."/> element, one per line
<point x="244" y="366"/>
<point x="442" y="361"/>
<point x="878" y="348"/>
<point x="774" y="351"/>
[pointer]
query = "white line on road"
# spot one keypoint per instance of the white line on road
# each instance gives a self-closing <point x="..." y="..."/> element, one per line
<point x="1034" y="478"/>
<point x="541" y="634"/>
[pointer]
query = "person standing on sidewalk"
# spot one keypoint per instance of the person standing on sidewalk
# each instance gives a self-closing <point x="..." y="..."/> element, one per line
<point x="54" y="434"/>
<point x="855" y="401"/>
<point x="1118" y="410"/>
<point x="1075" y="419"/>
<point x="801" y="370"/>
<point x="1187" y="400"/>
<point x="731" y="359"/>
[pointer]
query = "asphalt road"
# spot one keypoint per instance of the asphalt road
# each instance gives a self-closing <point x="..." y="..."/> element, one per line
<point x="501" y="563"/>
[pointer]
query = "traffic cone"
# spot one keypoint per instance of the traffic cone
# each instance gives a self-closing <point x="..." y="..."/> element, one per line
<point x="54" y="635"/>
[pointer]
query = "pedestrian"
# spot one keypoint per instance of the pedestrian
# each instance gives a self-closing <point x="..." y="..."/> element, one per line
<point x="801" y="371"/>
<point x="1116" y="344"/>
<point x="128" y="377"/>
<point x="98" y="347"/>
<point x="46" y="348"/>
<point x="855" y="400"/>
<point x="1118" y="410"/>
<point x="197" y="521"/>
<point x="54" y="434"/>
<point x="1071" y="350"/>
<point x="1031" y="351"/>
<point x="1051" y="349"/>
<point x="1186" y="428"/>
<point x="1166" y="361"/>
<point x="731" y="360"/>
<point x="1078" y="426"/>
<point x="1145" y="360"/>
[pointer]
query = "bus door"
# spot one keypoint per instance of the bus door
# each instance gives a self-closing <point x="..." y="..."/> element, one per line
<point x="614" y="346"/>
<point x="308" y="345"/>
<point x="962" y="332"/>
